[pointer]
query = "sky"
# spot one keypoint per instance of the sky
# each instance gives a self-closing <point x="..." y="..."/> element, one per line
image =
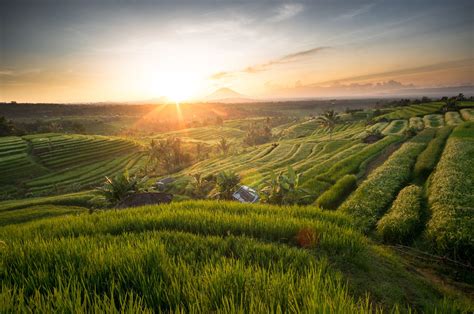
<point x="93" y="51"/>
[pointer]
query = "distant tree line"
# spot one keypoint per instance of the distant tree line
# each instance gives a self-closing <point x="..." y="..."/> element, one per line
<point x="9" y="127"/>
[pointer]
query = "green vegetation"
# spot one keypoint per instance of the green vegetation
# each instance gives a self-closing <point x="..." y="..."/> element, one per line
<point x="53" y="163"/>
<point x="433" y="121"/>
<point x="406" y="112"/>
<point x="375" y="194"/>
<point x="353" y="163"/>
<point x="453" y="118"/>
<point x="334" y="196"/>
<point x="451" y="196"/>
<point x="70" y="253"/>
<point x="18" y="216"/>
<point x="204" y="257"/>
<point x="416" y="123"/>
<point x="328" y="120"/>
<point x="395" y="127"/>
<point x="284" y="189"/>
<point x="226" y="185"/>
<point x="428" y="159"/>
<point x="467" y="114"/>
<point x="402" y="221"/>
<point x="116" y="189"/>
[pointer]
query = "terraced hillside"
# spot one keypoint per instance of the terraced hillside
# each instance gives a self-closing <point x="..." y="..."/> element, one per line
<point x="205" y="134"/>
<point x="411" y="191"/>
<point x="206" y="257"/>
<point x="46" y="163"/>
<point x="316" y="156"/>
<point x="413" y="111"/>
<point x="316" y="152"/>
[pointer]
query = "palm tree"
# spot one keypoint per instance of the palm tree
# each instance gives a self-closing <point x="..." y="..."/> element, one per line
<point x="226" y="185"/>
<point x="168" y="153"/>
<point x="329" y="119"/>
<point x="153" y="154"/>
<point x="223" y="146"/>
<point x="200" y="187"/>
<point x="118" y="188"/>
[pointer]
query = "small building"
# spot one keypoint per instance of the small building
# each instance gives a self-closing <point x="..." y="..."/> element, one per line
<point x="246" y="194"/>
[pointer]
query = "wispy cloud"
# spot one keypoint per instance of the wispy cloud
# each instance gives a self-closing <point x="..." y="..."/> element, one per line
<point x="286" y="11"/>
<point x="292" y="57"/>
<point x="6" y="72"/>
<point x="408" y="71"/>
<point x="356" y="12"/>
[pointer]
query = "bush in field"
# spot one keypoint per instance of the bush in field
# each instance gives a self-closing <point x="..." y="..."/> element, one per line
<point x="333" y="197"/>
<point x="118" y="188"/>
<point x="226" y="185"/>
<point x="374" y="195"/>
<point x="429" y="157"/>
<point x="451" y="197"/>
<point x="284" y="189"/>
<point x="401" y="222"/>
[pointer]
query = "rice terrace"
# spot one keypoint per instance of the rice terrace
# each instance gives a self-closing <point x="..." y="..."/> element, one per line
<point x="134" y="178"/>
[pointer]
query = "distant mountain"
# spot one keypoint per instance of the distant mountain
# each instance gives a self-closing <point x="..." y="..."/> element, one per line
<point x="227" y="95"/>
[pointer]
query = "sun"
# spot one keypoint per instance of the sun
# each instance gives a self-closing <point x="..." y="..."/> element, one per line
<point x="176" y="86"/>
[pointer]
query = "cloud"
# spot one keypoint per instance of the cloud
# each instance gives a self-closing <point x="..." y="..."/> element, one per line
<point x="341" y="90"/>
<point x="292" y="57"/>
<point x="390" y="88"/>
<point x="6" y="72"/>
<point x="286" y="11"/>
<point x="359" y="11"/>
<point x="464" y="63"/>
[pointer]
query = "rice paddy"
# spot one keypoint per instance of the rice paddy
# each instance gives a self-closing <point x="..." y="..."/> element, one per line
<point x="63" y="252"/>
<point x="45" y="163"/>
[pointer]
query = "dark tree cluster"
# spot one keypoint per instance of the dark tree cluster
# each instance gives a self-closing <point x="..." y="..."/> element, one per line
<point x="258" y="134"/>
<point x="168" y="154"/>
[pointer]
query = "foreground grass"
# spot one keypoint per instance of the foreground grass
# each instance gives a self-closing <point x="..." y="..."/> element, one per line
<point x="205" y="257"/>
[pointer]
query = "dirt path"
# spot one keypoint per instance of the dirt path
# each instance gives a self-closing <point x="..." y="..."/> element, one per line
<point x="380" y="159"/>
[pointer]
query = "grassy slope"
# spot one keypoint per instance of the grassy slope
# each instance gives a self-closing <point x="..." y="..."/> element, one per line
<point x="205" y="256"/>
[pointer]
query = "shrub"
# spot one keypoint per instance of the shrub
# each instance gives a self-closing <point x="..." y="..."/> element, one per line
<point x="400" y="223"/>
<point x="333" y="197"/>
<point x="429" y="157"/>
<point x="374" y="195"/>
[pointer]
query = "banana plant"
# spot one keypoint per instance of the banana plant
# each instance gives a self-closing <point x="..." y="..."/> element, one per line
<point x="284" y="189"/>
